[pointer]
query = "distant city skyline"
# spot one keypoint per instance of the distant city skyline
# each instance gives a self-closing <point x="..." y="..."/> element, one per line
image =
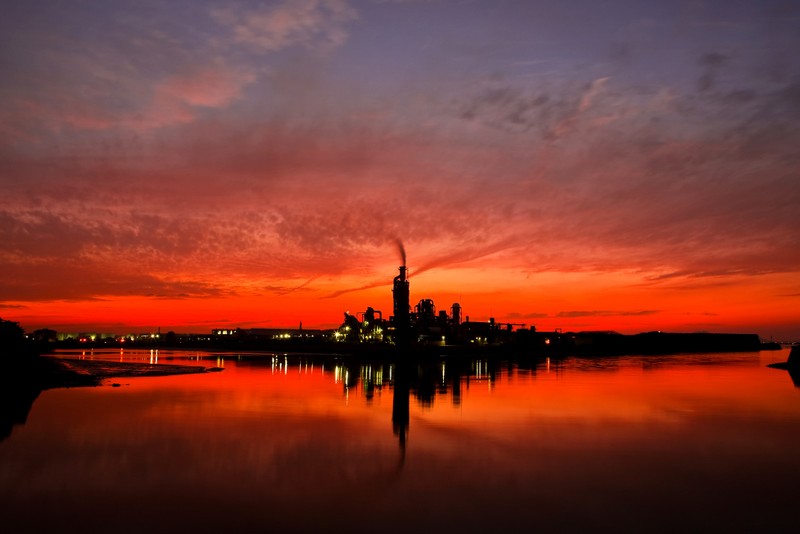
<point x="627" y="166"/>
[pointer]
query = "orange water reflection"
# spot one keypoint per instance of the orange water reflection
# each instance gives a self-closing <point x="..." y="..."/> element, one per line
<point x="274" y="443"/>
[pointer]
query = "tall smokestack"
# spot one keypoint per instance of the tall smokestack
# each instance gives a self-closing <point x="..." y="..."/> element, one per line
<point x="402" y="306"/>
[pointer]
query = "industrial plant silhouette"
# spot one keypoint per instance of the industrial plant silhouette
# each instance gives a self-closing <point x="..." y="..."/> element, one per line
<point x="424" y="330"/>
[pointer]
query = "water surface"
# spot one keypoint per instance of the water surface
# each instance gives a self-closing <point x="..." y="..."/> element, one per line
<point x="282" y="443"/>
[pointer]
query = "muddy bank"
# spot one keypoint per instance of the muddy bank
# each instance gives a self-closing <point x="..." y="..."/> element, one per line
<point x="45" y="372"/>
<point x="100" y="369"/>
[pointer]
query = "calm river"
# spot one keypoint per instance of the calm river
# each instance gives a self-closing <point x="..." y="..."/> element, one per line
<point x="275" y="443"/>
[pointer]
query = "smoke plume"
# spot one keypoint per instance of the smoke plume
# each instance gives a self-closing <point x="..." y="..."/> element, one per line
<point x="401" y="249"/>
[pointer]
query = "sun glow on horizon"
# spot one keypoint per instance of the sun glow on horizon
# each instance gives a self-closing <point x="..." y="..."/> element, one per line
<point x="546" y="301"/>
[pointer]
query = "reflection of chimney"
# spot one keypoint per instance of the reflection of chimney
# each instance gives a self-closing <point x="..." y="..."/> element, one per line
<point x="400" y="407"/>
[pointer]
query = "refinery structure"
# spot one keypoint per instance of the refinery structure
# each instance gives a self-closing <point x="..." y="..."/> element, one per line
<point x="449" y="331"/>
<point x="422" y="325"/>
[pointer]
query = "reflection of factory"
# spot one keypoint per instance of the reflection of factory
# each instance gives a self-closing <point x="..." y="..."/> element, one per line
<point x="422" y="325"/>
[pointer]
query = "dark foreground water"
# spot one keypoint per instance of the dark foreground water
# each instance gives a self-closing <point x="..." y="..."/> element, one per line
<point x="636" y="444"/>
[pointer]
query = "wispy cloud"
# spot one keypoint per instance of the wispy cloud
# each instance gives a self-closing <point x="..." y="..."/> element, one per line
<point x="299" y="287"/>
<point x="466" y="253"/>
<point x="371" y="285"/>
<point x="723" y="273"/>
<point x="316" y="24"/>
<point x="711" y="64"/>
<point x="95" y="281"/>
<point x="530" y="315"/>
<point x="605" y="313"/>
<point x="176" y="98"/>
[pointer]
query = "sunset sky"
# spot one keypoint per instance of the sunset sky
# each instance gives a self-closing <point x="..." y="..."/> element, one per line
<point x="584" y="165"/>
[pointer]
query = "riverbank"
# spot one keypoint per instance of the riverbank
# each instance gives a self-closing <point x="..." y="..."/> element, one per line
<point x="46" y="372"/>
<point x="517" y="343"/>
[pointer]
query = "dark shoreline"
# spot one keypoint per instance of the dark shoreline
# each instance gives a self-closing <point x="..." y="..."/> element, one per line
<point x="523" y="345"/>
<point x="48" y="371"/>
<point x="25" y="377"/>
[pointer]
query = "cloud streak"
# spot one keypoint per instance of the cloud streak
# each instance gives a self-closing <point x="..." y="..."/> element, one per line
<point x="605" y="313"/>
<point x="315" y="24"/>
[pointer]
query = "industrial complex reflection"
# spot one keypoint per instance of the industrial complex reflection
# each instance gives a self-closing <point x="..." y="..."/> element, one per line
<point x="421" y="381"/>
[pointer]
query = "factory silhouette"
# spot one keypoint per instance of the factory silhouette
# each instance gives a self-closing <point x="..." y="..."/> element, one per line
<point x="422" y="326"/>
<point x="424" y="330"/>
